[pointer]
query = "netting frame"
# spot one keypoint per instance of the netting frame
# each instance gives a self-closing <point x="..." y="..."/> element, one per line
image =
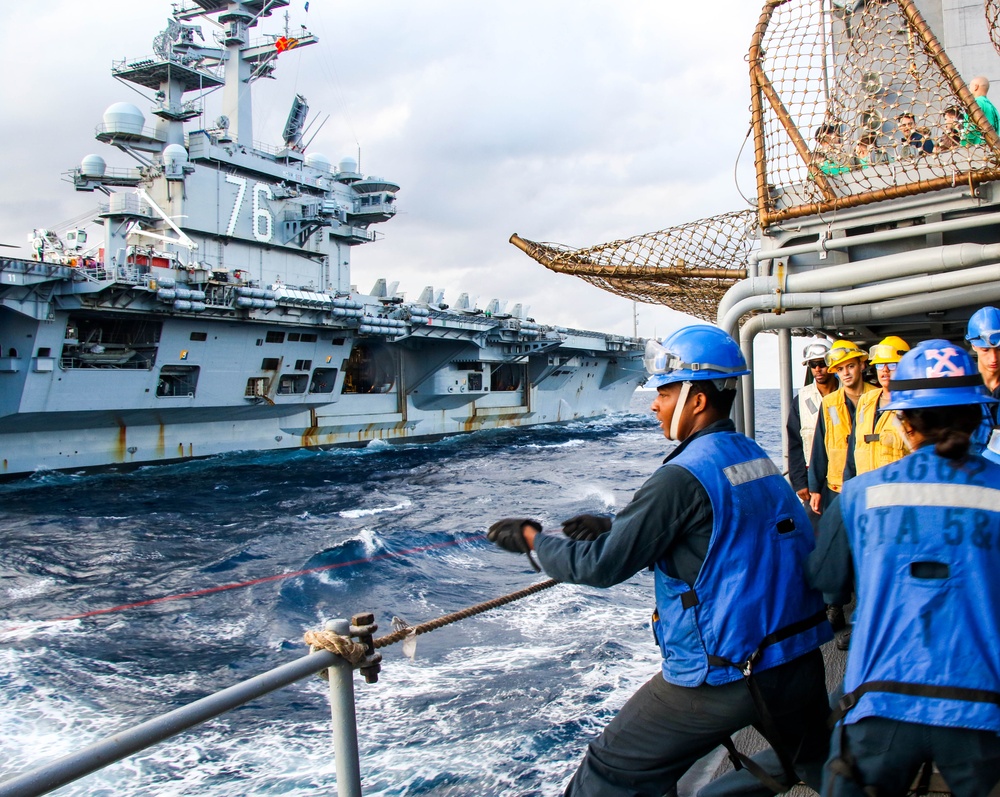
<point x="762" y="90"/>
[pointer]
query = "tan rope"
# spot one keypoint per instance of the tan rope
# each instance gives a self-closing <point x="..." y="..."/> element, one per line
<point x="343" y="646"/>
<point x="454" y="617"/>
<point x="354" y="652"/>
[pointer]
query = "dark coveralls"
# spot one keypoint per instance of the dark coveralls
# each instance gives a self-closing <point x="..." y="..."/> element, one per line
<point x="902" y="559"/>
<point x="664" y="728"/>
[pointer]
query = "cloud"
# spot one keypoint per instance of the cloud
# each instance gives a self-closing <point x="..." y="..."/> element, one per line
<point x="576" y="122"/>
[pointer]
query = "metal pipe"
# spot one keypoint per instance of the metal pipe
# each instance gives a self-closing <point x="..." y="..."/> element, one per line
<point x="785" y="384"/>
<point x="345" y="721"/>
<point x="981" y="275"/>
<point x="882" y="236"/>
<point x="745" y="422"/>
<point x="901" y="264"/>
<point x="58" y="773"/>
<point x="862" y="314"/>
<point x="921" y="303"/>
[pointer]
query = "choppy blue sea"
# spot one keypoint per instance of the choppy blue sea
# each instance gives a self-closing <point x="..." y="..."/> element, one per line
<point x="500" y="704"/>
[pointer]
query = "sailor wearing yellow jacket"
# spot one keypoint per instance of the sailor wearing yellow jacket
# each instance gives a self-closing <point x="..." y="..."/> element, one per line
<point x="879" y="438"/>
<point x="832" y="461"/>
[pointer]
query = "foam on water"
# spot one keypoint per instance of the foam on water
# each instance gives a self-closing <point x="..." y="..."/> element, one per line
<point x="356" y="513"/>
<point x="502" y="703"/>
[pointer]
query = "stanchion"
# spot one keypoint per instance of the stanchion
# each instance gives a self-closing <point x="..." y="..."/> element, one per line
<point x="345" y="725"/>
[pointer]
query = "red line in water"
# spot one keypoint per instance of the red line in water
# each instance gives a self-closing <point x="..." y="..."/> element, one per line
<point x="239" y="585"/>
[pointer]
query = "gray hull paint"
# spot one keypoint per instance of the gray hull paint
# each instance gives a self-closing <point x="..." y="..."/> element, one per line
<point x="59" y="418"/>
<point x="209" y="307"/>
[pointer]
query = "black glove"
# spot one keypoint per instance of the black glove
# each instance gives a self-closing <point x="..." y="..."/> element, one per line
<point x="508" y="535"/>
<point x="586" y="527"/>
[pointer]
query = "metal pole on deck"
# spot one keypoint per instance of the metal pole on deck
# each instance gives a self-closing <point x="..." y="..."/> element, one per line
<point x="747" y="390"/>
<point x="345" y="722"/>
<point x="785" y="382"/>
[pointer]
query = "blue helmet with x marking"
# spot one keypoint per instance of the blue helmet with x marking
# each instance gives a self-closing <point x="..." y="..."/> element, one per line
<point x="936" y="373"/>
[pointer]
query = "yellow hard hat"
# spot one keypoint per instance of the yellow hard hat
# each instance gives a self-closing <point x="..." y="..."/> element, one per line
<point x="842" y="351"/>
<point x="890" y="350"/>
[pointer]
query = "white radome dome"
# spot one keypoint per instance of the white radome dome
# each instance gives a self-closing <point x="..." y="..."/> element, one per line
<point x="174" y="153"/>
<point x="93" y="166"/>
<point x="124" y="117"/>
<point x="320" y="162"/>
<point x="348" y="165"/>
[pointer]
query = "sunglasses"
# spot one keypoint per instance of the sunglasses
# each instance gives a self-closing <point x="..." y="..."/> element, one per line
<point x="817" y="364"/>
<point x="890" y="366"/>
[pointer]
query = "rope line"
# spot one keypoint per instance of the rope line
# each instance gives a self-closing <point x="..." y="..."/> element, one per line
<point x="252" y="582"/>
<point x="454" y="617"/>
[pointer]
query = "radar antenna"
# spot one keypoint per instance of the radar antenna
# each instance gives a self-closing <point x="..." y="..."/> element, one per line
<point x="296" y="119"/>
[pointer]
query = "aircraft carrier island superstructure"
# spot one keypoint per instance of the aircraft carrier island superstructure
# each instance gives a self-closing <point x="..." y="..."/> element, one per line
<point x="212" y="311"/>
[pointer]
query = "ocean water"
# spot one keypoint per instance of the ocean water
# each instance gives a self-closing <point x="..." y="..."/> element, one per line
<point x="500" y="704"/>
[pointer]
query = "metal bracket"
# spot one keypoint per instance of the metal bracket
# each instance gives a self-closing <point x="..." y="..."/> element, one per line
<point x="363" y="626"/>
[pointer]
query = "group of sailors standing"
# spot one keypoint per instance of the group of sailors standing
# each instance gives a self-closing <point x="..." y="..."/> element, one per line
<point x="741" y="580"/>
<point x="839" y="427"/>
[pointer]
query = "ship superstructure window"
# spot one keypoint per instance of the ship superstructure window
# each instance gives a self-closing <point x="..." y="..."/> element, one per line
<point x="275" y="337"/>
<point x="323" y="380"/>
<point x="269" y="364"/>
<point x="199" y="336"/>
<point x="294" y="336"/>
<point x="303" y="365"/>
<point x="292" y="383"/>
<point x="369" y="369"/>
<point x="308" y="337"/>
<point x="177" y="381"/>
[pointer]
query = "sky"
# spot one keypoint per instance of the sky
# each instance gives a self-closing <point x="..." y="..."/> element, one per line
<point x="568" y="121"/>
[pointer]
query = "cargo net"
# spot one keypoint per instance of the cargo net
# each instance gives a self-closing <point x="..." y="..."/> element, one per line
<point x="992" y="19"/>
<point x="687" y="268"/>
<point x="855" y="107"/>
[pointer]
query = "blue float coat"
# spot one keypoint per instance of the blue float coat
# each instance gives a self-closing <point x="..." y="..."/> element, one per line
<point x="668" y="524"/>
<point x="924" y="541"/>
<point x="752" y="583"/>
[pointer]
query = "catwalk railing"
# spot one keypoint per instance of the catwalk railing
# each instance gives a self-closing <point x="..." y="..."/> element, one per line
<point x="339" y="667"/>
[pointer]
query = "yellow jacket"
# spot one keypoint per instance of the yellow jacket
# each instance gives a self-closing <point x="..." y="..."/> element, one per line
<point x="838" y="434"/>
<point x="878" y="441"/>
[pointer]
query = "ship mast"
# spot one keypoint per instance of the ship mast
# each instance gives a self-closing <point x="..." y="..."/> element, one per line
<point x="243" y="61"/>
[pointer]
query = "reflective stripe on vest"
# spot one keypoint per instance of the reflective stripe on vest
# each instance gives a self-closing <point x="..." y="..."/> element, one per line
<point x="925" y="541"/>
<point x="838" y="431"/>
<point x="879" y="439"/>
<point x="958" y="496"/>
<point x="809" y="403"/>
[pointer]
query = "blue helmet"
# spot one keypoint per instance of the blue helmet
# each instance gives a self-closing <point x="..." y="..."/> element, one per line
<point x="695" y="354"/>
<point x="936" y="373"/>
<point x="984" y="328"/>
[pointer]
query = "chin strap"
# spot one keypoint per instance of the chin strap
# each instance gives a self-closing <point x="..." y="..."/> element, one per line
<point x="675" y="420"/>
